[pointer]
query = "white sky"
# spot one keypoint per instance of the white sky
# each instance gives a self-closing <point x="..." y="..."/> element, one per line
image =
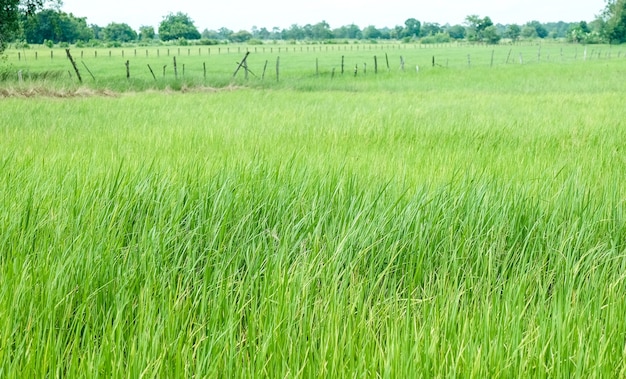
<point x="243" y="14"/>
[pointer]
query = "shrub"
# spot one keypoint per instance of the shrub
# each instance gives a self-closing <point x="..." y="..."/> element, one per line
<point x="436" y="38"/>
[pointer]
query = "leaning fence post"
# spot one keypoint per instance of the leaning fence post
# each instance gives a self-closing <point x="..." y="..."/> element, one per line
<point x="69" y="56"/>
<point x="152" y="72"/>
<point x="264" y="68"/>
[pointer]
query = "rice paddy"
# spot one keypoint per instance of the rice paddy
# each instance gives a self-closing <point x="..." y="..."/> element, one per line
<point x="459" y="221"/>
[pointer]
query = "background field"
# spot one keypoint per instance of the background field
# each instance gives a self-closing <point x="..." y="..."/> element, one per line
<point x="463" y="220"/>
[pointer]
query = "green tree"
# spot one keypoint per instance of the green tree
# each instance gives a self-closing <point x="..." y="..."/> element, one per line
<point x="351" y="31"/>
<point x="529" y="32"/>
<point x="430" y="29"/>
<point x="614" y="17"/>
<point x="412" y="28"/>
<point x="321" y="31"/>
<point x="457" y="31"/>
<point x="491" y="35"/>
<point x="241" y="36"/>
<point x="477" y="26"/>
<point x="540" y="30"/>
<point x="119" y="33"/>
<point x="513" y="32"/>
<point x="371" y="32"/>
<point x="146" y="33"/>
<point x="10" y="16"/>
<point x="176" y="26"/>
<point x="55" y="26"/>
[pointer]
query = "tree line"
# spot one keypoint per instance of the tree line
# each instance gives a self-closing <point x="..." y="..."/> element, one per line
<point x="34" y="21"/>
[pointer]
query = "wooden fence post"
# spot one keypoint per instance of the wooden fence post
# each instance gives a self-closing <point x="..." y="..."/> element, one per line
<point x="69" y="56"/>
<point x="264" y="68"/>
<point x="152" y="72"/>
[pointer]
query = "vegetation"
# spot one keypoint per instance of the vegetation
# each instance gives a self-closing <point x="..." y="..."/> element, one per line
<point x="452" y="222"/>
<point x="59" y="27"/>
<point x="177" y="26"/>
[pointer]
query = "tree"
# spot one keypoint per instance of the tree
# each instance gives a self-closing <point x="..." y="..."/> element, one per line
<point x="176" y="26"/>
<point x="614" y="17"/>
<point x="411" y="28"/>
<point x="321" y="31"/>
<point x="490" y="35"/>
<point x="477" y="26"/>
<point x="115" y="32"/>
<point x="10" y="16"/>
<point x="529" y="32"/>
<point x="540" y="30"/>
<point x="371" y="32"/>
<point x="351" y="31"/>
<point x="430" y="29"/>
<point x="146" y="33"/>
<point x="241" y="36"/>
<point x="457" y="31"/>
<point x="513" y="32"/>
<point x="55" y="26"/>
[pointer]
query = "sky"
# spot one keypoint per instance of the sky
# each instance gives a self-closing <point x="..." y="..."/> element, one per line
<point x="244" y="14"/>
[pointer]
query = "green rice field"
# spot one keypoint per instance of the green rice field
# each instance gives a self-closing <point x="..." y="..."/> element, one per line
<point x="466" y="219"/>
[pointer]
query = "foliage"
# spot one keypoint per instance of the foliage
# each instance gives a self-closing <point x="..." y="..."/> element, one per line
<point x="436" y="38"/>
<point x="477" y="27"/>
<point x="55" y="26"/>
<point x="115" y="32"/>
<point x="429" y="29"/>
<point x="540" y="30"/>
<point x="146" y="33"/>
<point x="412" y="28"/>
<point x="371" y="32"/>
<point x="614" y="17"/>
<point x="457" y="31"/>
<point x="351" y="31"/>
<point x="179" y="25"/>
<point x="10" y="16"/>
<point x="513" y="32"/>
<point x="241" y="36"/>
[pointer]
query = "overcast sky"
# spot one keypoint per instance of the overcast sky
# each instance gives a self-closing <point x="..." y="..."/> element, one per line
<point x="244" y="14"/>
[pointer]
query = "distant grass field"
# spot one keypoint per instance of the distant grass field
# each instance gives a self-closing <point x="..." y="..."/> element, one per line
<point x="460" y="221"/>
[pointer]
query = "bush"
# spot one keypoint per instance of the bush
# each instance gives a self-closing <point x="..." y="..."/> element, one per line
<point x="64" y="45"/>
<point x="206" y="42"/>
<point x="255" y="41"/>
<point x="437" y="38"/>
<point x="48" y="43"/>
<point x="22" y="45"/>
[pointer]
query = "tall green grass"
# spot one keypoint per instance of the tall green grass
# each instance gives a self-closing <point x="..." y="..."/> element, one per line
<point x="460" y="223"/>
